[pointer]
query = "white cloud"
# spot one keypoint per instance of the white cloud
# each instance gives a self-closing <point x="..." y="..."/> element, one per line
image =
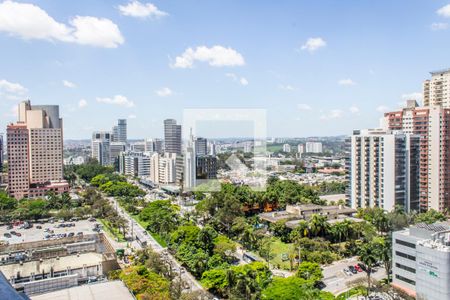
<point x="141" y="10"/>
<point x="332" y="114"/>
<point x="82" y="103"/>
<point x="444" y="11"/>
<point x="117" y="100"/>
<point x="132" y="116"/>
<point x="313" y="44"/>
<point x="242" y="80"/>
<point x="439" y="26"/>
<point x="382" y="108"/>
<point x="29" y="21"/>
<point x="346" y="82"/>
<point x="96" y="32"/>
<point x="304" y="107"/>
<point x="354" y="109"/>
<point x="10" y="87"/>
<point x="286" y="87"/>
<point x="69" y="84"/>
<point x="164" y="92"/>
<point x="216" y="56"/>
<point x="413" y="96"/>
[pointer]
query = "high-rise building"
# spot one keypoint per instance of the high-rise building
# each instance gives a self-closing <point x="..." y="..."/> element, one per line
<point x="138" y="146"/>
<point x="137" y="164"/>
<point x="300" y="149"/>
<point x="436" y="91"/>
<point x="286" y="148"/>
<point x="35" y="152"/>
<point x="201" y="146"/>
<point x="115" y="148"/>
<point x="172" y="136"/>
<point x="432" y="125"/>
<point x="384" y="170"/>
<point x="212" y="148"/>
<point x="189" y="180"/>
<point x="154" y="145"/>
<point x="119" y="132"/>
<point x="101" y="147"/>
<point x="313" y="147"/>
<point x="1" y="152"/>
<point x="206" y="167"/>
<point x="168" y="168"/>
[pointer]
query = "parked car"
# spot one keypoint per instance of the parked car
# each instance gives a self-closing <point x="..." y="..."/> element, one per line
<point x="347" y="272"/>
<point x="352" y="269"/>
<point x="358" y="268"/>
<point x="320" y="285"/>
<point x="7" y="235"/>
<point x="80" y="233"/>
<point x="9" y="227"/>
<point x="71" y="234"/>
<point x="18" y="234"/>
<point x="39" y="227"/>
<point x="363" y="267"/>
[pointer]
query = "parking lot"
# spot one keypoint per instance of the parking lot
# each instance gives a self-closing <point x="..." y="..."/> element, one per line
<point x="44" y="231"/>
<point x="338" y="282"/>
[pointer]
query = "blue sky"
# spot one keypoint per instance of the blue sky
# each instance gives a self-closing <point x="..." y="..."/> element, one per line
<point x="318" y="67"/>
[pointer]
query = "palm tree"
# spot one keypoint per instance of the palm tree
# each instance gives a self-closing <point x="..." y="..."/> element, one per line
<point x="318" y="225"/>
<point x="369" y="255"/>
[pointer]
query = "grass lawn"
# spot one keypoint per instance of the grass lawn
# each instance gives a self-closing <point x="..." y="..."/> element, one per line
<point x="111" y="231"/>
<point x="274" y="148"/>
<point x="277" y="249"/>
<point x="156" y="236"/>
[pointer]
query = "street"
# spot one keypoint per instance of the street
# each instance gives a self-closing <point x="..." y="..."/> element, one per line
<point x="139" y="231"/>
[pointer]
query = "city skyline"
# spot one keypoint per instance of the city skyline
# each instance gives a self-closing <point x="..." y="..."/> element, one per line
<point x="139" y="64"/>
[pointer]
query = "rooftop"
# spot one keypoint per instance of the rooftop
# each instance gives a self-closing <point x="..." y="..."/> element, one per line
<point x="111" y="290"/>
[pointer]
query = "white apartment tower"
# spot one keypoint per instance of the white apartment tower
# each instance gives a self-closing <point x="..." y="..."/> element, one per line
<point x="436" y="91"/>
<point x="101" y="147"/>
<point x="384" y="170"/>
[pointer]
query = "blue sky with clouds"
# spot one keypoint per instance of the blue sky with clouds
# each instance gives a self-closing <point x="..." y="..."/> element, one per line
<point x="318" y="67"/>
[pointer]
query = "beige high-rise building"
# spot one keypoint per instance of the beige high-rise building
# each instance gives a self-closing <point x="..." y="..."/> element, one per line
<point x="35" y="144"/>
<point x="436" y="91"/>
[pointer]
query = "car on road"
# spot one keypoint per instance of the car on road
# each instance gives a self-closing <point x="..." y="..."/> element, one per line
<point x="352" y="269"/>
<point x="39" y="227"/>
<point x="320" y="285"/>
<point x="71" y="234"/>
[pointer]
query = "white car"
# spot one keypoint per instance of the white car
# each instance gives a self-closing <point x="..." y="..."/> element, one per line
<point x="347" y="272"/>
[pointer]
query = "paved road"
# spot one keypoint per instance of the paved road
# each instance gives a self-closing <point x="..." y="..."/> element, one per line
<point x="337" y="282"/>
<point x="141" y="232"/>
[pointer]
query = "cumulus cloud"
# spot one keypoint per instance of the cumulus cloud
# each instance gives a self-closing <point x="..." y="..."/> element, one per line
<point x="382" y="108"/>
<point x="354" y="109"/>
<point x="216" y="56"/>
<point x="304" y="107"/>
<point x="444" y="11"/>
<point x="13" y="88"/>
<point x="164" y="92"/>
<point x="346" y="82"/>
<point x="313" y="44"/>
<point x="332" y="114"/>
<point x="141" y="10"/>
<point x="82" y="103"/>
<point x="241" y="80"/>
<point x="29" y="21"/>
<point x="439" y="26"/>
<point x="117" y="100"/>
<point x="69" y="84"/>
<point x="286" y="87"/>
